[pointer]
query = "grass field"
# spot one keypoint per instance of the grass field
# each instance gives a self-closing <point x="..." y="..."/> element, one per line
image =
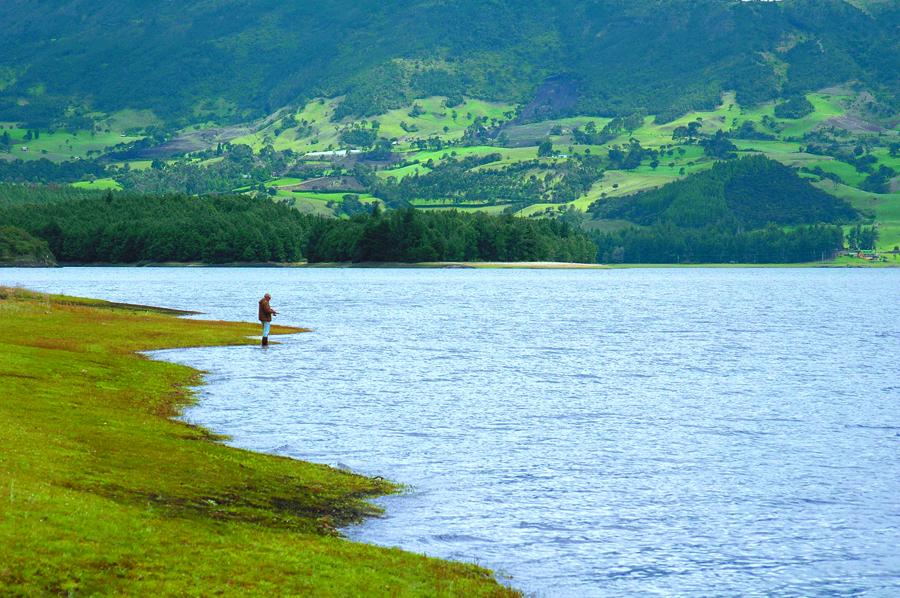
<point x="124" y="120"/>
<point x="402" y="172"/>
<point x="847" y="172"/>
<point x="101" y="184"/>
<point x="102" y="493"/>
<point x="61" y="146"/>
<point x="432" y="121"/>
<point x="284" y="182"/>
<point x="436" y="116"/>
<point x="509" y="155"/>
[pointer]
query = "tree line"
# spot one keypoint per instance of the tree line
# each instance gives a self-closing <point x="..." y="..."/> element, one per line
<point x="671" y="244"/>
<point x="132" y="228"/>
<point x="45" y="171"/>
<point x="19" y="247"/>
<point x="410" y="235"/>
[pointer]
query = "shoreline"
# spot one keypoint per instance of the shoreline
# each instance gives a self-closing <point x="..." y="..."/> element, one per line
<point x="466" y="265"/>
<point x="106" y="493"/>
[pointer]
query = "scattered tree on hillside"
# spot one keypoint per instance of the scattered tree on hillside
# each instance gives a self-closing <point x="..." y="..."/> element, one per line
<point x="719" y="146"/>
<point x="545" y="149"/>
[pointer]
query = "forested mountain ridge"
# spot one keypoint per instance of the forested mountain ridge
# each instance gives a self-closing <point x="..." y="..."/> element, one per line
<point x="234" y="60"/>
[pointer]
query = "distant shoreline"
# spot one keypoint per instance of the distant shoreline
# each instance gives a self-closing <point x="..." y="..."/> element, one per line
<point x="458" y="265"/>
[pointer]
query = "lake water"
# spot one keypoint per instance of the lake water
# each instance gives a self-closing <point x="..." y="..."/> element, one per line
<point x="588" y="433"/>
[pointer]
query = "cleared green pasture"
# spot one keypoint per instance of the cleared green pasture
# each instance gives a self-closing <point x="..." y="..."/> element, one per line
<point x="400" y="173"/>
<point x="61" y="146"/>
<point x="508" y="155"/>
<point x="450" y="203"/>
<point x="436" y="116"/>
<point x="326" y="197"/>
<point x="539" y="208"/>
<point x="786" y="152"/>
<point x="317" y="203"/>
<point x="311" y="206"/>
<point x="885" y="158"/>
<point x="847" y="172"/>
<point x="130" y="119"/>
<point x="730" y="114"/>
<point x="318" y="113"/>
<point x="616" y="183"/>
<point x="140" y="164"/>
<point x="100" y="184"/>
<point x="284" y="182"/>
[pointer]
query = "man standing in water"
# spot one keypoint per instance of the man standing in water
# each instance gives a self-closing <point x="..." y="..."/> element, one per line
<point x="265" y="316"/>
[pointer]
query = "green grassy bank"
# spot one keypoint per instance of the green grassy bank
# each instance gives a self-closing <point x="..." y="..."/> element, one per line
<point x="102" y="493"/>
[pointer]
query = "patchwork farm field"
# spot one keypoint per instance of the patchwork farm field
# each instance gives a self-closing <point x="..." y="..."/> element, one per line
<point x="429" y="135"/>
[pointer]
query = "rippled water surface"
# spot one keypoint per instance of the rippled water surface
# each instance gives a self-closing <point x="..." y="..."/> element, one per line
<point x="588" y="433"/>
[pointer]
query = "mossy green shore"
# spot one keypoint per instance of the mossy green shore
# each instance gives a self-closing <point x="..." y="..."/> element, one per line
<point x="101" y="492"/>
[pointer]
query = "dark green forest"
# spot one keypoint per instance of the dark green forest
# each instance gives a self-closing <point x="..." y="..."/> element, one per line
<point x="409" y="235"/>
<point x="11" y="195"/>
<point x="45" y="171"/>
<point x="670" y="244"/>
<point x="19" y="247"/>
<point x="189" y="61"/>
<point x="133" y="228"/>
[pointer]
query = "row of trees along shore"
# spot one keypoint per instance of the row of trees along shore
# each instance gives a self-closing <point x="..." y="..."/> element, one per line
<point x="411" y="235"/>
<point x="133" y="228"/>
<point x="92" y="227"/>
<point x="669" y="244"/>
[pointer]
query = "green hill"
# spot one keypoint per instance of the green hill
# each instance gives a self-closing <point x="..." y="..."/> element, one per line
<point x="235" y="60"/>
<point x="752" y="193"/>
<point x="752" y="210"/>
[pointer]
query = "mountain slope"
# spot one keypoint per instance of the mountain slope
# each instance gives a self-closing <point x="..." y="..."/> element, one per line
<point x="231" y="60"/>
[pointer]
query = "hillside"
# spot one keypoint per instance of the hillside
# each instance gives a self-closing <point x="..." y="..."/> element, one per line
<point x="67" y="61"/>
<point x="472" y="106"/>
<point x="751" y="193"/>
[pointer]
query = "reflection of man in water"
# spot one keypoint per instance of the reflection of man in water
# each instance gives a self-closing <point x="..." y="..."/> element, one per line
<point x="265" y="316"/>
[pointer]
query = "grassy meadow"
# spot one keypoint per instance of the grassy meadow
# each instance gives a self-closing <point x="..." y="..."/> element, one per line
<point x="104" y="494"/>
